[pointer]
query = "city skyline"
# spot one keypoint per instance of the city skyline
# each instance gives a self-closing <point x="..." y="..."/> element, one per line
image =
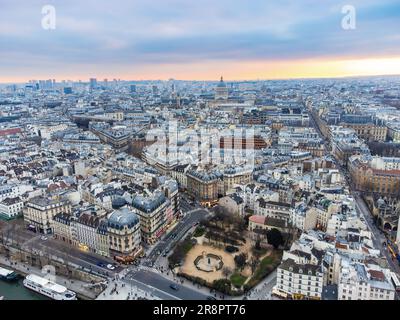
<point x="195" y="41"/>
<point x="200" y="151"/>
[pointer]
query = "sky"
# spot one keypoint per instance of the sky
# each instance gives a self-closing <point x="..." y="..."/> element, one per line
<point x="197" y="40"/>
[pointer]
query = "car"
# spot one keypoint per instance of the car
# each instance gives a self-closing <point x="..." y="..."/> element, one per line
<point x="31" y="228"/>
<point x="174" y="287"/>
<point x="44" y="238"/>
<point x="101" y="265"/>
<point x="165" y="254"/>
<point x="110" y="266"/>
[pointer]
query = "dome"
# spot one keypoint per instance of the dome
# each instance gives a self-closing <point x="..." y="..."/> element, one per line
<point x="221" y="83"/>
<point x="118" y="203"/>
<point x="122" y="218"/>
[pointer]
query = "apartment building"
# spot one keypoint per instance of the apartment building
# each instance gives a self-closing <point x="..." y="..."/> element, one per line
<point x="370" y="176"/>
<point x="40" y="211"/>
<point x="90" y="234"/>
<point x="124" y="233"/>
<point x="360" y="282"/>
<point x="11" y="207"/>
<point x="272" y="209"/>
<point x="203" y="186"/>
<point x="299" y="281"/>
<point x="155" y="213"/>
<point x="62" y="227"/>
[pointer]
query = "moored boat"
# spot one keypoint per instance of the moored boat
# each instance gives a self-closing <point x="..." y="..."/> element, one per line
<point x="8" y="275"/>
<point x="48" y="288"/>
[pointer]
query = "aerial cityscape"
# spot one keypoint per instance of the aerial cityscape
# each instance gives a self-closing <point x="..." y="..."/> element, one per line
<point x="174" y="158"/>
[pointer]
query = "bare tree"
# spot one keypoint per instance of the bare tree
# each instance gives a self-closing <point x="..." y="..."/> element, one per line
<point x="253" y="265"/>
<point x="226" y="272"/>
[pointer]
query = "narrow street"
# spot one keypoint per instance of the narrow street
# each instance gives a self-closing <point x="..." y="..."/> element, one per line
<point x="378" y="236"/>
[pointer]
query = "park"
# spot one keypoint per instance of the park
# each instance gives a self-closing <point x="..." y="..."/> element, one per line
<point x="223" y="255"/>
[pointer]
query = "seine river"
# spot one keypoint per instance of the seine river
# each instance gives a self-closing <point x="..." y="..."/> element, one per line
<point x="17" y="291"/>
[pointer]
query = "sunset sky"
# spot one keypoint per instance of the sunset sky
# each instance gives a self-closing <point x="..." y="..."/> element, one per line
<point x="197" y="40"/>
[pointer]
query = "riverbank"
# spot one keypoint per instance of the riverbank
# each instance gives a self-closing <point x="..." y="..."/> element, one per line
<point x="16" y="291"/>
<point x="82" y="289"/>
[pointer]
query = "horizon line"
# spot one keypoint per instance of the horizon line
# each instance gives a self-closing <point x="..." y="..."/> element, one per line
<point x="208" y="80"/>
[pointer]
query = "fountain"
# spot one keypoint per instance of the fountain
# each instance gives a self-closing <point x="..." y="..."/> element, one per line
<point x="208" y="262"/>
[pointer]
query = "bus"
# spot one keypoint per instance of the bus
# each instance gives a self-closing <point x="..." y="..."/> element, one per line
<point x="279" y="293"/>
<point x="393" y="252"/>
<point x="395" y="281"/>
<point x="124" y="259"/>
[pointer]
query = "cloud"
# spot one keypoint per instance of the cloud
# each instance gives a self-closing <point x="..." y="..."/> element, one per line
<point x="113" y="34"/>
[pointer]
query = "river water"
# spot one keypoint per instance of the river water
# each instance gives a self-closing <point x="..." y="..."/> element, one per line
<point x="16" y="291"/>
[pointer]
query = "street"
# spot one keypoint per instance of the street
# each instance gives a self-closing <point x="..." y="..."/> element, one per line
<point x="378" y="237"/>
<point x="175" y="235"/>
<point x="264" y="289"/>
<point x="361" y="207"/>
<point x="160" y="285"/>
<point x="32" y="242"/>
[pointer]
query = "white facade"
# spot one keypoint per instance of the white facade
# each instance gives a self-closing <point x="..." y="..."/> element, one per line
<point x="11" y="207"/>
<point x="13" y="191"/>
<point x="357" y="282"/>
<point x="385" y="163"/>
<point x="299" y="281"/>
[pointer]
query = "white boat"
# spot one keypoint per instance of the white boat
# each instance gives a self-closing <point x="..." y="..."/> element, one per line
<point x="8" y="275"/>
<point x="48" y="288"/>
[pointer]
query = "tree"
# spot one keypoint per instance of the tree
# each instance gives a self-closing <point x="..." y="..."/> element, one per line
<point x="226" y="272"/>
<point x="177" y="256"/>
<point x="222" y="285"/>
<point x="274" y="237"/>
<point x="240" y="260"/>
<point x="253" y="264"/>
<point x="246" y="218"/>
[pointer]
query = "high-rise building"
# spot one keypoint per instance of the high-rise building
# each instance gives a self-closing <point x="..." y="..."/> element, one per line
<point x="93" y="83"/>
